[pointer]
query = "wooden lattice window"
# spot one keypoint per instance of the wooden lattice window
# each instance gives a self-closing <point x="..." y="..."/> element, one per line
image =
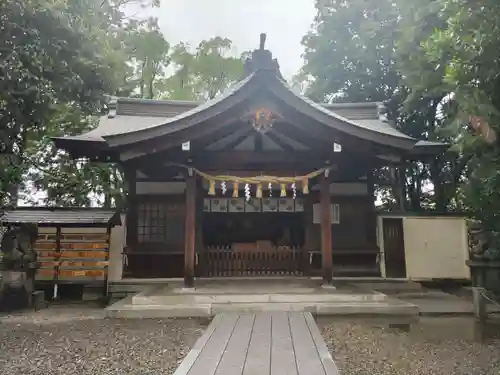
<point x="160" y="222"/>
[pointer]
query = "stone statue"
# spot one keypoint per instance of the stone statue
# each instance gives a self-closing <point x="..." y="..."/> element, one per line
<point x="18" y="266"/>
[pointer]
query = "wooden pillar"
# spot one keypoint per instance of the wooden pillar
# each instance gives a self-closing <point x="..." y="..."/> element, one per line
<point x="131" y="204"/>
<point x="131" y="220"/>
<point x="371" y="226"/>
<point x="401" y="178"/>
<point x="308" y="234"/>
<point x="199" y="229"/>
<point x="326" y="229"/>
<point x="190" y="231"/>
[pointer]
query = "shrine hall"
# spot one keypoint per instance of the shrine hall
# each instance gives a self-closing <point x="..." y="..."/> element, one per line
<point x="258" y="181"/>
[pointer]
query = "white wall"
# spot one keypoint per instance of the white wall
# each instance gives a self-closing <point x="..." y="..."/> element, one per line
<point x="436" y="247"/>
<point x="117" y="242"/>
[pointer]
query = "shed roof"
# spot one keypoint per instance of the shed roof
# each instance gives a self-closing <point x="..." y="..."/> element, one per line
<point x="44" y="216"/>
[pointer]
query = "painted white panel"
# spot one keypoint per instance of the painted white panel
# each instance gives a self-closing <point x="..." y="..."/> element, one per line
<point x="146" y="187"/>
<point x="436" y="247"/>
<point x="334" y="214"/>
<point x="117" y="243"/>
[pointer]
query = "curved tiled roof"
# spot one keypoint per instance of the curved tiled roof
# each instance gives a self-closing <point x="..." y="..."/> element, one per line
<point x="152" y="119"/>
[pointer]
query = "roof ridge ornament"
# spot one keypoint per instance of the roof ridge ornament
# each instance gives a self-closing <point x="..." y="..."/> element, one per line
<point x="112" y="107"/>
<point x="262" y="59"/>
<point x="263" y="38"/>
<point x="382" y="112"/>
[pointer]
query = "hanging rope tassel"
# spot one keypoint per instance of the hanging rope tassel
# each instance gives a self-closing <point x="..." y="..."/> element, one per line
<point x="258" y="193"/>
<point x="211" y="187"/>
<point x="305" y="186"/>
<point x="235" y="189"/>
<point x="283" y="190"/>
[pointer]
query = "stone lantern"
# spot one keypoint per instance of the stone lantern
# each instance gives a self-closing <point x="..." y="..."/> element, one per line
<point x="18" y="266"/>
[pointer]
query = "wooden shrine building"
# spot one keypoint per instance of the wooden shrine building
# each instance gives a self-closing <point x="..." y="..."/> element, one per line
<point x="257" y="181"/>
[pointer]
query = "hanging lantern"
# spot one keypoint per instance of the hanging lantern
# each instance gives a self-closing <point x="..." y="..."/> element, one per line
<point x="294" y="190"/>
<point x="270" y="187"/>
<point x="223" y="187"/>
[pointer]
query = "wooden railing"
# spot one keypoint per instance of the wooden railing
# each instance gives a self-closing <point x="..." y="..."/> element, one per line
<point x="279" y="261"/>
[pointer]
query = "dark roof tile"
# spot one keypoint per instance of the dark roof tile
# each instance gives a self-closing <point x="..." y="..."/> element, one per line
<point x="60" y="216"/>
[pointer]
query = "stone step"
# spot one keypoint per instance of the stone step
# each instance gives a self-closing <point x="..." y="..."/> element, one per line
<point x="142" y="299"/>
<point x="125" y="309"/>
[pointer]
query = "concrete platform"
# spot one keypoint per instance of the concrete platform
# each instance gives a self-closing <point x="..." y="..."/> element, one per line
<point x="252" y="296"/>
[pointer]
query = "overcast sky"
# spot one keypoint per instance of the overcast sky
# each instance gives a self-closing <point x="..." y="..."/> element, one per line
<point x="242" y="21"/>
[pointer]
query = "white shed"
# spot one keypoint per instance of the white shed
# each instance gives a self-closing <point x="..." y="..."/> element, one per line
<point x="423" y="247"/>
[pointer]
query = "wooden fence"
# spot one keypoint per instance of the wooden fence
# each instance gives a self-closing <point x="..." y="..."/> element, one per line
<point x="73" y="257"/>
<point x="279" y="261"/>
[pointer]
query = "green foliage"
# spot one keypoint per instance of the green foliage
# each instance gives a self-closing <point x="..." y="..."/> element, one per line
<point x="350" y="51"/>
<point x="371" y="51"/>
<point x="147" y="52"/>
<point x="467" y="50"/>
<point x="207" y="72"/>
<point x="59" y="60"/>
<point x="47" y="58"/>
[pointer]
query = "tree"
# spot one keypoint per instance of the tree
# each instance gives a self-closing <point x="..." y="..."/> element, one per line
<point x="205" y="73"/>
<point x="59" y="61"/>
<point x="47" y="58"/>
<point x="358" y="51"/>
<point x="466" y="48"/>
<point x="148" y="53"/>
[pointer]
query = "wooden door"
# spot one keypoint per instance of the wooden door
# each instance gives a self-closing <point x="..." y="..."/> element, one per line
<point x="394" y="248"/>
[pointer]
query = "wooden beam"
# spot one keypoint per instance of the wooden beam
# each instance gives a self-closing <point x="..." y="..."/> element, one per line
<point x="266" y="157"/>
<point x="279" y="142"/>
<point x="235" y="142"/>
<point x="296" y="133"/>
<point x="258" y="142"/>
<point x="326" y="230"/>
<point x="216" y="135"/>
<point x="297" y="121"/>
<point x="174" y="139"/>
<point x="190" y="231"/>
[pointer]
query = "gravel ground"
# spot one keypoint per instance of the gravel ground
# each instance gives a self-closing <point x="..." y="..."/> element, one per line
<point x="435" y="346"/>
<point x="71" y="340"/>
<point x="79" y="340"/>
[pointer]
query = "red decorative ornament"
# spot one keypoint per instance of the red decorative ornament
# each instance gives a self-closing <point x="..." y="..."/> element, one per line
<point x="262" y="119"/>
